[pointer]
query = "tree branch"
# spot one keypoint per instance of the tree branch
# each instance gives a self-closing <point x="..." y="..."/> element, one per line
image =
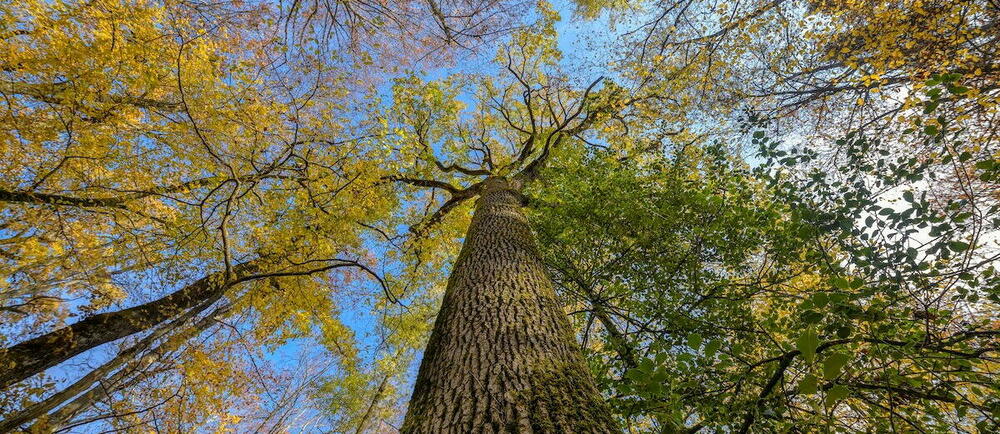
<point x="31" y="197"/>
<point x="33" y="356"/>
<point x="425" y="183"/>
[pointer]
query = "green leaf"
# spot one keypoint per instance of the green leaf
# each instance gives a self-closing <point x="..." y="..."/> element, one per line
<point x="646" y="366"/>
<point x="930" y="130"/>
<point x="811" y="317"/>
<point x="694" y="340"/>
<point x="712" y="347"/>
<point x="820" y="299"/>
<point x="836" y="393"/>
<point x="958" y="246"/>
<point x="950" y="77"/>
<point x="809" y="384"/>
<point x="833" y="364"/>
<point x="986" y="164"/>
<point x="635" y="375"/>
<point x="844" y="332"/>
<point x="654" y="388"/>
<point x="658" y="376"/>
<point x="807" y="343"/>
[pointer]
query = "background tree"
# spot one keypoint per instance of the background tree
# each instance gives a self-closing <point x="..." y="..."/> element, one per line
<point x="837" y="301"/>
<point x="178" y="180"/>
<point x="876" y="189"/>
<point x="501" y="356"/>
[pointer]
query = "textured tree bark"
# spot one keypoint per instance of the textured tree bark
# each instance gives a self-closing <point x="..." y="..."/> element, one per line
<point x="502" y="356"/>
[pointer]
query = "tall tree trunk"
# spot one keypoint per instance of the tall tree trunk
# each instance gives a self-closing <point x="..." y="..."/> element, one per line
<point x="502" y="356"/>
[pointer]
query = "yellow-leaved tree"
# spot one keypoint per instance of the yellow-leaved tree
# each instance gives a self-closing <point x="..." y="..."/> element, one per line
<point x="186" y="190"/>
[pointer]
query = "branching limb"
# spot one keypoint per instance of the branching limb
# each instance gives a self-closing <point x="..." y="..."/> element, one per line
<point x="31" y="197"/>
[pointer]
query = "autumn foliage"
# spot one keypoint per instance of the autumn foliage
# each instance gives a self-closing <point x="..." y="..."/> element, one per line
<point x="757" y="216"/>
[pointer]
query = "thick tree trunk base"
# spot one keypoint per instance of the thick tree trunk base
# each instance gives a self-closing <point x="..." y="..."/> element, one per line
<point x="502" y="356"/>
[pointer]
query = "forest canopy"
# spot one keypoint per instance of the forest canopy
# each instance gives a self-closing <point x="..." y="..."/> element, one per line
<point x="701" y="216"/>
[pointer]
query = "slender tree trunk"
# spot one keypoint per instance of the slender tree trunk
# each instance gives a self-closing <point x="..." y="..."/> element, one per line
<point x="35" y="355"/>
<point x="502" y="356"/>
<point x="135" y="363"/>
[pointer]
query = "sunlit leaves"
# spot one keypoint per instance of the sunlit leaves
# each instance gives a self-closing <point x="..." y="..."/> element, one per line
<point x="656" y="239"/>
<point x="200" y="142"/>
<point x="902" y="277"/>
